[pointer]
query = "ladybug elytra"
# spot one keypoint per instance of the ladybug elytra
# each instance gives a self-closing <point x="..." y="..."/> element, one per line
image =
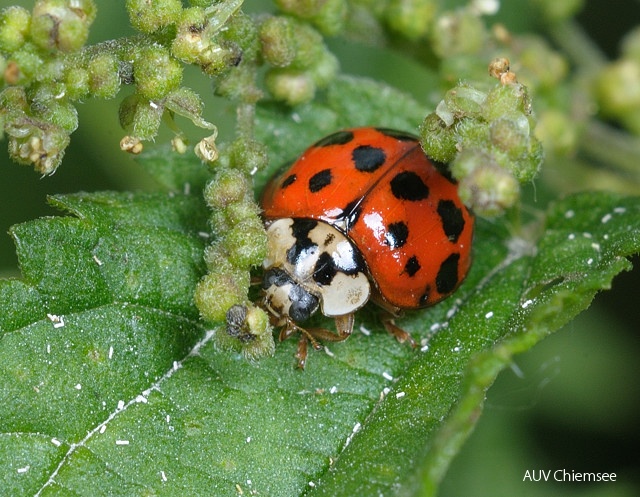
<point x="361" y="215"/>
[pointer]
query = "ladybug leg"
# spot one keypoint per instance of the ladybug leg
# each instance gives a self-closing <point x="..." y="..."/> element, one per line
<point x="401" y="335"/>
<point x="301" y="353"/>
<point x="390" y="312"/>
<point x="344" y="325"/>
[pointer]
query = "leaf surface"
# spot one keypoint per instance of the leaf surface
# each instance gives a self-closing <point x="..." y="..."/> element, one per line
<point x="110" y="385"/>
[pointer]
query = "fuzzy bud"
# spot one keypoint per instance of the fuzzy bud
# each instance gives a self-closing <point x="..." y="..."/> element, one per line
<point x="150" y="15"/>
<point x="62" y="24"/>
<point x="104" y="80"/>
<point x="156" y="73"/>
<point x="291" y="86"/>
<point x="15" y="24"/>
<point x="278" y="42"/>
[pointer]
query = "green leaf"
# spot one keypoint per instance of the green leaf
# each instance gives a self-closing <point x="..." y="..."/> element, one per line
<point x="173" y="171"/>
<point x="110" y="385"/>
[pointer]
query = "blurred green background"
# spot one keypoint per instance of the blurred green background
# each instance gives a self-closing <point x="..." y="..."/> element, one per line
<point x="571" y="403"/>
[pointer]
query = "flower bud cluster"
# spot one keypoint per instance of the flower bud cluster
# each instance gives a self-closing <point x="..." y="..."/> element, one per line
<point x="36" y="108"/>
<point x="487" y="139"/>
<point x="301" y="63"/>
<point x="618" y="85"/>
<point x="240" y="242"/>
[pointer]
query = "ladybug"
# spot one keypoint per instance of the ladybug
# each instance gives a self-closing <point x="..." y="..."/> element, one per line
<point x="361" y="215"/>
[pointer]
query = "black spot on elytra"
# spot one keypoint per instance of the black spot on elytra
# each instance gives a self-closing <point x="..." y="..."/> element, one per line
<point x="300" y="229"/>
<point x="319" y="180"/>
<point x="407" y="185"/>
<point x="447" y="278"/>
<point x="398" y="135"/>
<point x="339" y="138"/>
<point x="424" y="298"/>
<point x="289" y="180"/>
<point x="397" y="234"/>
<point x="325" y="269"/>
<point x="367" y="158"/>
<point x="412" y="266"/>
<point x="452" y="220"/>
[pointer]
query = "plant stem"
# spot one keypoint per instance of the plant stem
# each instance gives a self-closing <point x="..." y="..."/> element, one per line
<point x="584" y="53"/>
<point x="617" y="149"/>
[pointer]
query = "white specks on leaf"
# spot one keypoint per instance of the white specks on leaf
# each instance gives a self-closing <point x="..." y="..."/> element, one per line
<point x="58" y="321"/>
<point x="121" y="407"/>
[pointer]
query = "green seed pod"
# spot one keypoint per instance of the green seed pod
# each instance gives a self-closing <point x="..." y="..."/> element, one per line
<point x="217" y="291"/>
<point x="24" y="65"/>
<point x="191" y="40"/>
<point x="465" y="101"/>
<point x="459" y="32"/>
<point x="324" y="69"/>
<point x="104" y="80"/>
<point x="241" y="31"/>
<point x="506" y="100"/>
<point x="437" y="139"/>
<point x="59" y="112"/>
<point x="149" y="16"/>
<point x="76" y="81"/>
<point x="38" y="143"/>
<point x="527" y="166"/>
<point x="243" y="210"/>
<point x="62" y="24"/>
<point x="510" y="135"/>
<point x="249" y="156"/>
<point x="228" y="186"/>
<point x="239" y="84"/>
<point x="558" y="132"/>
<point x="277" y="41"/>
<point x="328" y="16"/>
<point x="618" y="87"/>
<point x="15" y="24"/>
<point x="540" y="67"/>
<point x="412" y="18"/>
<point x="156" y="73"/>
<point x="246" y="243"/>
<point x="291" y="86"/>
<point x="486" y="187"/>
<point x="147" y="119"/>
<point x="309" y="45"/>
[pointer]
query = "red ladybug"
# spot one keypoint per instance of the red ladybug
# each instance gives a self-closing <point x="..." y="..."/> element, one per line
<point x="362" y="214"/>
